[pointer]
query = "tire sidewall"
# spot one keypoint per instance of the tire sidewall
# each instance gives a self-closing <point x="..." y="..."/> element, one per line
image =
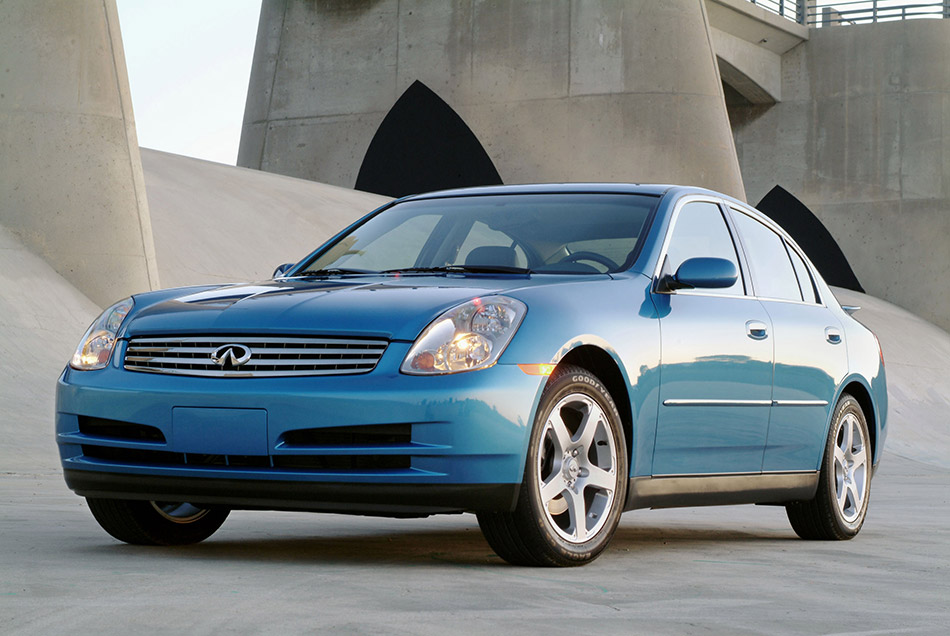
<point x="575" y="380"/>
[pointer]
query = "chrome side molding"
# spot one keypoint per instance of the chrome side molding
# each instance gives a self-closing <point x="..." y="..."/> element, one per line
<point x="717" y="402"/>
<point x="678" y="402"/>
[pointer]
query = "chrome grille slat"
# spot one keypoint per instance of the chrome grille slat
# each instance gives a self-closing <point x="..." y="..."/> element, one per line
<point x="270" y="356"/>
<point x="269" y="350"/>
<point x="256" y="362"/>
<point x="250" y="340"/>
<point x="244" y="374"/>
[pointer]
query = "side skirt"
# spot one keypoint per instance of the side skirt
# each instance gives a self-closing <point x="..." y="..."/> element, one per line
<point x="677" y="491"/>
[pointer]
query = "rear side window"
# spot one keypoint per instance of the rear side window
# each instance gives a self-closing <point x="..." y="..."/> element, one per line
<point x="701" y="231"/>
<point x="772" y="273"/>
<point x="804" y="278"/>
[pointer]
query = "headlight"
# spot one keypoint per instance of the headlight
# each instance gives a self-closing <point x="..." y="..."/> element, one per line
<point x="96" y="346"/>
<point x="468" y="337"/>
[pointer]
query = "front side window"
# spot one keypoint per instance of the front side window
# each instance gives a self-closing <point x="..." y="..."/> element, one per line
<point x="701" y="231"/>
<point x="537" y="233"/>
<point x="772" y="273"/>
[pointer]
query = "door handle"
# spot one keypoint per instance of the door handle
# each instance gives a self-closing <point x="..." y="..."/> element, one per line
<point x="832" y="335"/>
<point x="756" y="330"/>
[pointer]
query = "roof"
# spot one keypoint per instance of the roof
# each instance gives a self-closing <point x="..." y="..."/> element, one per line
<point x="550" y="188"/>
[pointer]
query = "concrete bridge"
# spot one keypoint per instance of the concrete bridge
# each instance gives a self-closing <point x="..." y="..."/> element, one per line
<point x="749" y="42"/>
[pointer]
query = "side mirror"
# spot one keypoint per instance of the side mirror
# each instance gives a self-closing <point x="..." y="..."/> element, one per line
<point x="701" y="273"/>
<point x="282" y="269"/>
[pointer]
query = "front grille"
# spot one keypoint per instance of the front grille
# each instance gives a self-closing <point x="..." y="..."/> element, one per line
<point x="269" y="356"/>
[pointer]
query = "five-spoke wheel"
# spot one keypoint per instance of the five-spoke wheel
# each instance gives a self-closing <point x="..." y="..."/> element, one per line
<point x="851" y="468"/>
<point x="577" y="468"/>
<point x="838" y="509"/>
<point x="575" y="479"/>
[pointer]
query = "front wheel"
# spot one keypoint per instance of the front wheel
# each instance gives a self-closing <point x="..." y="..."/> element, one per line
<point x="844" y="485"/>
<point x="575" y="479"/>
<point x="156" y="522"/>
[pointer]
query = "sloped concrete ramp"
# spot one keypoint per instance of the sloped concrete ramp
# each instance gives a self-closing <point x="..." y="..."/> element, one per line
<point x="212" y="224"/>
<point x="917" y="363"/>
<point x="42" y="318"/>
<point x="215" y="223"/>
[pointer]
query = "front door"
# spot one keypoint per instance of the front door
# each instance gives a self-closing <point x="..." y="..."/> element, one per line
<point x="716" y="369"/>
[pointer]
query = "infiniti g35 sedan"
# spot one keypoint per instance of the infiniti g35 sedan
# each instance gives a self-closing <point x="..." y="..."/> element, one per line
<point x="546" y="357"/>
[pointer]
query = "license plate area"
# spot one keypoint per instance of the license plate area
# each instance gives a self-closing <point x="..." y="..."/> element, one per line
<point x="215" y="431"/>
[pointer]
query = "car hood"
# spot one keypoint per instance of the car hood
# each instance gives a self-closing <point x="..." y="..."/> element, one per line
<point x="394" y="308"/>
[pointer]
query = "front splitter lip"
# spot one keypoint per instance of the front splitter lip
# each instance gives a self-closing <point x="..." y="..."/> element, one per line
<point x="391" y="500"/>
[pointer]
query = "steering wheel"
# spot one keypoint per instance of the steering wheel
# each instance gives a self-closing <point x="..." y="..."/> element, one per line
<point x="590" y="256"/>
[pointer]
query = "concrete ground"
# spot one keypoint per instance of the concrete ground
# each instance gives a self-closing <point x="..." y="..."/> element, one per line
<point x="733" y="570"/>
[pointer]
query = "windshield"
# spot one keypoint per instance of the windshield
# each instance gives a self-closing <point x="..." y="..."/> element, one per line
<point x="517" y="233"/>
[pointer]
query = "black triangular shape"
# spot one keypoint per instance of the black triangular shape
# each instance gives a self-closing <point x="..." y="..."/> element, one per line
<point x="423" y="145"/>
<point x="811" y="235"/>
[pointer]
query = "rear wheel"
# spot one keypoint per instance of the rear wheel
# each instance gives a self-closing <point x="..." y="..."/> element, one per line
<point x="156" y="522"/>
<point x="844" y="485"/>
<point x="575" y="480"/>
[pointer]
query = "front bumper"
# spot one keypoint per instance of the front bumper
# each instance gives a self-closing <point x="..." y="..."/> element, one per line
<point x="451" y="443"/>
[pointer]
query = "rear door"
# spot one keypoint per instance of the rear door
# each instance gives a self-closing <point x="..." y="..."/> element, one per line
<point x="810" y="352"/>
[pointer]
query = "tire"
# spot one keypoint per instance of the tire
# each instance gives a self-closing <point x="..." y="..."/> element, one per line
<point x="156" y="523"/>
<point x="576" y="467"/>
<point x="840" y="504"/>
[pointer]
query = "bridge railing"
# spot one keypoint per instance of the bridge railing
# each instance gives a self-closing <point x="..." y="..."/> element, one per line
<point x="823" y="13"/>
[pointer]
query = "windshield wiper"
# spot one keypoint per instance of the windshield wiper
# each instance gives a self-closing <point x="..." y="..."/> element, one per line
<point x="333" y="271"/>
<point x="460" y="269"/>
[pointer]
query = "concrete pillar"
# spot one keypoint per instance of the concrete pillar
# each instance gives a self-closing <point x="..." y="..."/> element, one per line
<point x="71" y="186"/>
<point x="555" y="90"/>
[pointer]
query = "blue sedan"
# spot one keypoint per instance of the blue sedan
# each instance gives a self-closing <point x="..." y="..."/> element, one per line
<point x="544" y="356"/>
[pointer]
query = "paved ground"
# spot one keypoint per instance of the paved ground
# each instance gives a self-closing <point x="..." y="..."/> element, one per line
<point x="734" y="570"/>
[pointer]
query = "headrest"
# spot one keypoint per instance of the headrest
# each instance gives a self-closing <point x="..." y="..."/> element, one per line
<point x="491" y="255"/>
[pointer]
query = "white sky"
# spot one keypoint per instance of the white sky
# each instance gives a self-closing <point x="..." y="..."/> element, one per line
<point x="189" y="63"/>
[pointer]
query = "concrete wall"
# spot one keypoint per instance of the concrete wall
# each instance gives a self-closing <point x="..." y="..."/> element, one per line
<point x="862" y="136"/>
<point x="554" y="89"/>
<point x="71" y="184"/>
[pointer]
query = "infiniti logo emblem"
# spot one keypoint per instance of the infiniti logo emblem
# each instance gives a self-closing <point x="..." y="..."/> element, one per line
<point x="231" y="356"/>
